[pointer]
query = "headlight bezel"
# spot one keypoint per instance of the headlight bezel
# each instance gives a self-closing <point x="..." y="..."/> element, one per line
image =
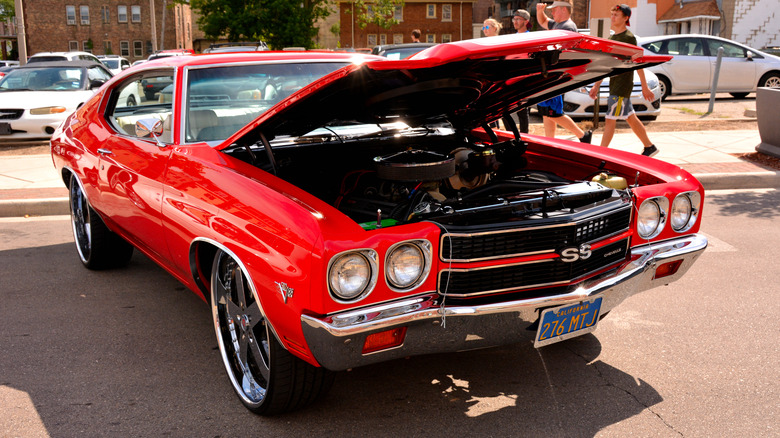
<point x="662" y="204"/>
<point x="370" y="257"/>
<point x="694" y="199"/>
<point x="424" y="247"/>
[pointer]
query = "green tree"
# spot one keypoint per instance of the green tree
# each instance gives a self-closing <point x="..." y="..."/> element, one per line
<point x="6" y="9"/>
<point x="280" y="23"/>
<point x="379" y="12"/>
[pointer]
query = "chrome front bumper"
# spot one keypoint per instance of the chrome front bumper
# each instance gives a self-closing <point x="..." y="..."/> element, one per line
<point x="337" y="341"/>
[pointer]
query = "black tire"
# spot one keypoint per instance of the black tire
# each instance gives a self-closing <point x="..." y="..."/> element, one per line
<point x="666" y="87"/>
<point x="267" y="378"/>
<point x="770" y="80"/>
<point x="131" y="101"/>
<point x="738" y="95"/>
<point x="97" y="246"/>
<point x="149" y="95"/>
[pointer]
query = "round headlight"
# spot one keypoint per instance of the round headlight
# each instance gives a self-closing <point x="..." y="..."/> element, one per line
<point x="681" y="212"/>
<point x="649" y="219"/>
<point x="405" y="265"/>
<point x="350" y="274"/>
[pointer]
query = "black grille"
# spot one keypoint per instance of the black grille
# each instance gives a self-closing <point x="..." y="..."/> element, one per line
<point x="514" y="277"/>
<point x="504" y="244"/>
<point x="10" y="114"/>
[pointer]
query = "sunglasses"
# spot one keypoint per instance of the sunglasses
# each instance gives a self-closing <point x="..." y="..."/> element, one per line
<point x="485" y="27"/>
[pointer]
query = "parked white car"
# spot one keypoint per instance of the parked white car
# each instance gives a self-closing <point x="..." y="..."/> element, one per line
<point x="37" y="97"/>
<point x="578" y="104"/>
<point x="692" y="68"/>
<point x="115" y="63"/>
<point x="62" y="56"/>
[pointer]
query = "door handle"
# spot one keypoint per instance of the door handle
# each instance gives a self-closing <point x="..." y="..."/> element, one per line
<point x="102" y="151"/>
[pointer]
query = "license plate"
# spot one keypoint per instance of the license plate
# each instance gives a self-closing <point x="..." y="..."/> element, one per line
<point x="5" y="129"/>
<point x="566" y="322"/>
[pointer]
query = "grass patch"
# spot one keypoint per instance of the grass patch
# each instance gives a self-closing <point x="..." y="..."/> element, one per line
<point x="691" y="111"/>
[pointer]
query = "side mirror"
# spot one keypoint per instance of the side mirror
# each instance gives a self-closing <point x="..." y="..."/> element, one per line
<point x="749" y="55"/>
<point x="149" y="128"/>
<point x="96" y="83"/>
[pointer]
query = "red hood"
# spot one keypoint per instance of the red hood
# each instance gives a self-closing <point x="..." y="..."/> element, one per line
<point x="465" y="83"/>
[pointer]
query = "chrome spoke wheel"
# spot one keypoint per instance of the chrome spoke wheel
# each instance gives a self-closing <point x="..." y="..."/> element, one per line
<point x="242" y="331"/>
<point x="80" y="220"/>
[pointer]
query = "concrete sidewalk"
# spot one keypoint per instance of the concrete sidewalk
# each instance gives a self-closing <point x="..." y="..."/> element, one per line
<point x="30" y="186"/>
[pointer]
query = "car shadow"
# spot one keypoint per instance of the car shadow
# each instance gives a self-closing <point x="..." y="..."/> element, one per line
<point x="130" y="352"/>
<point x="757" y="203"/>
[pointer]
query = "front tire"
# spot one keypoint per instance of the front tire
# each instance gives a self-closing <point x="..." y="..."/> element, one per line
<point x="266" y="377"/>
<point x="97" y="246"/>
<point x="770" y="80"/>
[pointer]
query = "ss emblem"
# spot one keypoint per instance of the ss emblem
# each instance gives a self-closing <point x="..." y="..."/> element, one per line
<point x="570" y="255"/>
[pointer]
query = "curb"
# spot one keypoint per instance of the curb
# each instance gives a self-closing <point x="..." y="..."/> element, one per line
<point x="746" y="180"/>
<point x="710" y="181"/>
<point x="34" y="207"/>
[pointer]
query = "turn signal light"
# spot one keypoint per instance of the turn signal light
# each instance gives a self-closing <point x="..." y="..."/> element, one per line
<point x="384" y="340"/>
<point x="667" y="269"/>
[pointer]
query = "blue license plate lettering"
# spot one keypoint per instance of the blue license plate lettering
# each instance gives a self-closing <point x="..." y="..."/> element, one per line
<point x="568" y="321"/>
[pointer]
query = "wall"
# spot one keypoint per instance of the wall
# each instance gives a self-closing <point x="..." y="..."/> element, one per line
<point x="756" y="23"/>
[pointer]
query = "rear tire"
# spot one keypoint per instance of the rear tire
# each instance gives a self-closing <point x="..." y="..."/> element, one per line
<point x="770" y="80"/>
<point x="266" y="377"/>
<point x="738" y="95"/>
<point x="97" y="246"/>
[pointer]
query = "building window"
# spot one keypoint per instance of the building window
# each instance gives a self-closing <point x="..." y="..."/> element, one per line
<point x="398" y="38"/>
<point x="370" y="12"/>
<point x="73" y="46"/>
<point x="383" y="39"/>
<point x="124" y="48"/>
<point x="86" y="46"/>
<point x="398" y="13"/>
<point x="70" y="12"/>
<point x="430" y="10"/>
<point x="107" y="48"/>
<point x="106" y="14"/>
<point x="446" y="12"/>
<point x="121" y="13"/>
<point x="136" y="13"/>
<point x="446" y="38"/>
<point x="371" y="40"/>
<point x="138" y="49"/>
<point x="431" y="38"/>
<point x="84" y="14"/>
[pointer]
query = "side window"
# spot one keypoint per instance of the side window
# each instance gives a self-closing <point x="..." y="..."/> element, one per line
<point x="129" y="104"/>
<point x="655" y="47"/>
<point x="685" y="47"/>
<point x="97" y="73"/>
<point x="729" y="50"/>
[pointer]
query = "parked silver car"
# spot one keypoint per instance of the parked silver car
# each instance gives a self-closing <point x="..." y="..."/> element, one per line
<point x="577" y="104"/>
<point x="692" y="68"/>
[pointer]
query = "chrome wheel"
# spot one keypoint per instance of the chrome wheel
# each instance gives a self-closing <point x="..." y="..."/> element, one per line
<point x="97" y="246"/>
<point x="79" y="218"/>
<point x="266" y="377"/>
<point x="771" y="80"/>
<point x="242" y="331"/>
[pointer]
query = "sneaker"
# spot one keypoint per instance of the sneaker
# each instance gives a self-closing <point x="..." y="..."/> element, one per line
<point x="650" y="151"/>
<point x="586" y="138"/>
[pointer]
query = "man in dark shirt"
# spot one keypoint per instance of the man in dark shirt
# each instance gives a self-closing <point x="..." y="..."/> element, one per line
<point x="520" y="21"/>
<point x="620" y="86"/>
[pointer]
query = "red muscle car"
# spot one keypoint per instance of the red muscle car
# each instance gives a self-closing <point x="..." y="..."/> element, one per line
<point x="337" y="210"/>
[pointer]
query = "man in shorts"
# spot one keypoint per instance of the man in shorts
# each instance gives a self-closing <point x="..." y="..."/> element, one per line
<point x="620" y="86"/>
<point x="552" y="109"/>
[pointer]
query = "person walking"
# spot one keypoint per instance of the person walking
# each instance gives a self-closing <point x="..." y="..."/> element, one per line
<point x="552" y="109"/>
<point x="619" y="101"/>
<point x="520" y="22"/>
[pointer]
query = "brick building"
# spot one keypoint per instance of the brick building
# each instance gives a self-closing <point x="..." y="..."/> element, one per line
<point x="104" y="27"/>
<point x="439" y="21"/>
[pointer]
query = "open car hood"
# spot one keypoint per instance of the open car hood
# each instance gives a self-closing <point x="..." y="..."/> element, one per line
<point x="466" y="83"/>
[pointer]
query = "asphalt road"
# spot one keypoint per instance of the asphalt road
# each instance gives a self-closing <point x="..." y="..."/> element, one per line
<point x="132" y="353"/>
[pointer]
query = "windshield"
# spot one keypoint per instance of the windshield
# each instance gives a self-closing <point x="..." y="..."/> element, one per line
<point x="222" y="100"/>
<point x="110" y="63"/>
<point x="40" y="79"/>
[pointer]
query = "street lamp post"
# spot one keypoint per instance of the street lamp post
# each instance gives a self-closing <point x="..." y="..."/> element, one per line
<point x="21" y="37"/>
